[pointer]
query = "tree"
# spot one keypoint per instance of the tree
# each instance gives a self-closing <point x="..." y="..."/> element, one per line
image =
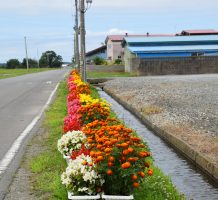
<point x="50" y="59"/>
<point x="32" y="63"/>
<point x="12" y="64"/>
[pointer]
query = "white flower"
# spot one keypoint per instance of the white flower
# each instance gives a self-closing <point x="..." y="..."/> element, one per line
<point x="65" y="179"/>
<point x="83" y="189"/>
<point x="77" y="176"/>
<point x="71" y="141"/>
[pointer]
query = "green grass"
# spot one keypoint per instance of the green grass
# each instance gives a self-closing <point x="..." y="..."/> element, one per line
<point x="7" y="73"/>
<point x="48" y="166"/>
<point x="107" y="74"/>
<point x="158" y="187"/>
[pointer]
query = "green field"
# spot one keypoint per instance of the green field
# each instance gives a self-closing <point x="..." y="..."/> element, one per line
<point x="7" y="73"/>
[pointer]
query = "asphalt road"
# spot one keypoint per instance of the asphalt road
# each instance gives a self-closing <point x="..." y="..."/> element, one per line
<point x="22" y="98"/>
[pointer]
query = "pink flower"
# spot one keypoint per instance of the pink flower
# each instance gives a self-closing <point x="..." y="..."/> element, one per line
<point x="72" y="123"/>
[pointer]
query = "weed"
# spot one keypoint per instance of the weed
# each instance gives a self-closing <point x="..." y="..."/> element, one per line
<point x="151" y="110"/>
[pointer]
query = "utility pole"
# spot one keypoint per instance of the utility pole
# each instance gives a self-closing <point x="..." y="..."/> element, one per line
<point x="82" y="39"/>
<point x="77" y="59"/>
<point x="27" y="62"/>
<point x="38" y="58"/>
<point x="83" y="9"/>
<point x="74" y="47"/>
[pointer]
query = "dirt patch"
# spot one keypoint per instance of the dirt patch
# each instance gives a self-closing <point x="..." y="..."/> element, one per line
<point x="197" y="140"/>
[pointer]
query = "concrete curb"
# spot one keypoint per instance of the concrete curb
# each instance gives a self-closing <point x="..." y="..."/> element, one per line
<point x="98" y="80"/>
<point x="186" y="150"/>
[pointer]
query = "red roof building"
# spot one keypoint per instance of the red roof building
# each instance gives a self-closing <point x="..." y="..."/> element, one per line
<point x="114" y="47"/>
<point x="200" y="32"/>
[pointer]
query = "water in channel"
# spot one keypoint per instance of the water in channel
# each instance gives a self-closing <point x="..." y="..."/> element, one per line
<point x="184" y="175"/>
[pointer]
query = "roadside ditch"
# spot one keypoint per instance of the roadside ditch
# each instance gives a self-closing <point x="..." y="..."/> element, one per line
<point x="185" y="175"/>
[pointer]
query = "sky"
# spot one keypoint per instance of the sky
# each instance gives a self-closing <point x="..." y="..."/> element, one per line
<point x="48" y="24"/>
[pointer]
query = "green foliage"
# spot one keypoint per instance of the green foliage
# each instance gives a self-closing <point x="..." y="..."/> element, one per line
<point x="157" y="187"/>
<point x="94" y="92"/>
<point x="32" y="63"/>
<point x="12" y="64"/>
<point x="2" y="65"/>
<point x="50" y="59"/>
<point x="98" y="61"/>
<point x="118" y="61"/>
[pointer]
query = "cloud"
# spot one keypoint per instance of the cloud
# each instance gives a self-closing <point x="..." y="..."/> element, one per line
<point x="146" y="5"/>
<point x="112" y="31"/>
<point x="118" y="31"/>
<point x="36" y="6"/>
<point x="63" y="48"/>
<point x="39" y="6"/>
<point x="94" y="39"/>
<point x="14" y="47"/>
<point x="48" y="23"/>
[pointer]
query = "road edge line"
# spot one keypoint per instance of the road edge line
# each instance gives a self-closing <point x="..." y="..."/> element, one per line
<point x="11" y="153"/>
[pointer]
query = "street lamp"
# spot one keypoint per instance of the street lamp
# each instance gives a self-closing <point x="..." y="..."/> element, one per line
<point x="83" y="9"/>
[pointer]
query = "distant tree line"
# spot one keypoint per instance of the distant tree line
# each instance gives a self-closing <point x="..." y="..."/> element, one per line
<point x="48" y="59"/>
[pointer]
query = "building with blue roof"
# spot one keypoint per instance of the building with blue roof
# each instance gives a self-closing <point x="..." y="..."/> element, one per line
<point x="169" y="47"/>
<point x="100" y="52"/>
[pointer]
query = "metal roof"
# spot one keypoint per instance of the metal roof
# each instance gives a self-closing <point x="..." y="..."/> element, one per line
<point x="119" y="38"/>
<point x="200" y="31"/>
<point x="132" y="40"/>
<point x="190" y="48"/>
<point x="97" y="50"/>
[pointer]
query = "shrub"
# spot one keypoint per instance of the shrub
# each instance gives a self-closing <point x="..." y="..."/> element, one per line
<point x="98" y="61"/>
<point x="118" y="61"/>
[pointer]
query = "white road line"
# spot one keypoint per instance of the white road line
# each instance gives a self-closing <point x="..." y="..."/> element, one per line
<point x="9" y="156"/>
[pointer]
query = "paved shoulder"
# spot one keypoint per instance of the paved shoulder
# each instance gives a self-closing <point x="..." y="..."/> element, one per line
<point x="22" y="99"/>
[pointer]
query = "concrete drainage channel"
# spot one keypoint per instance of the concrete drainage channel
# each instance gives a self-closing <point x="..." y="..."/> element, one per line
<point x="185" y="176"/>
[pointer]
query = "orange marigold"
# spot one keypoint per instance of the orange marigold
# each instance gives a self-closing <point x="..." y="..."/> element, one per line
<point x="126" y="165"/>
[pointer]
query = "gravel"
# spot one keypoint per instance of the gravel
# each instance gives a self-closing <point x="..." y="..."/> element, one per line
<point x="185" y="106"/>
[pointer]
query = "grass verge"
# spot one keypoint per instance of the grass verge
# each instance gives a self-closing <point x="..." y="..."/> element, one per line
<point x="107" y="74"/>
<point x="7" y="73"/>
<point x="48" y="166"/>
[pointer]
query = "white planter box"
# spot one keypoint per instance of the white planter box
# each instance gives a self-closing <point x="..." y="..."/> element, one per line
<point x="71" y="196"/>
<point x="67" y="158"/>
<point x="114" y="197"/>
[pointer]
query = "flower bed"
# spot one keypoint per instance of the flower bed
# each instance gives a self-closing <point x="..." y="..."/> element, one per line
<point x="106" y="156"/>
